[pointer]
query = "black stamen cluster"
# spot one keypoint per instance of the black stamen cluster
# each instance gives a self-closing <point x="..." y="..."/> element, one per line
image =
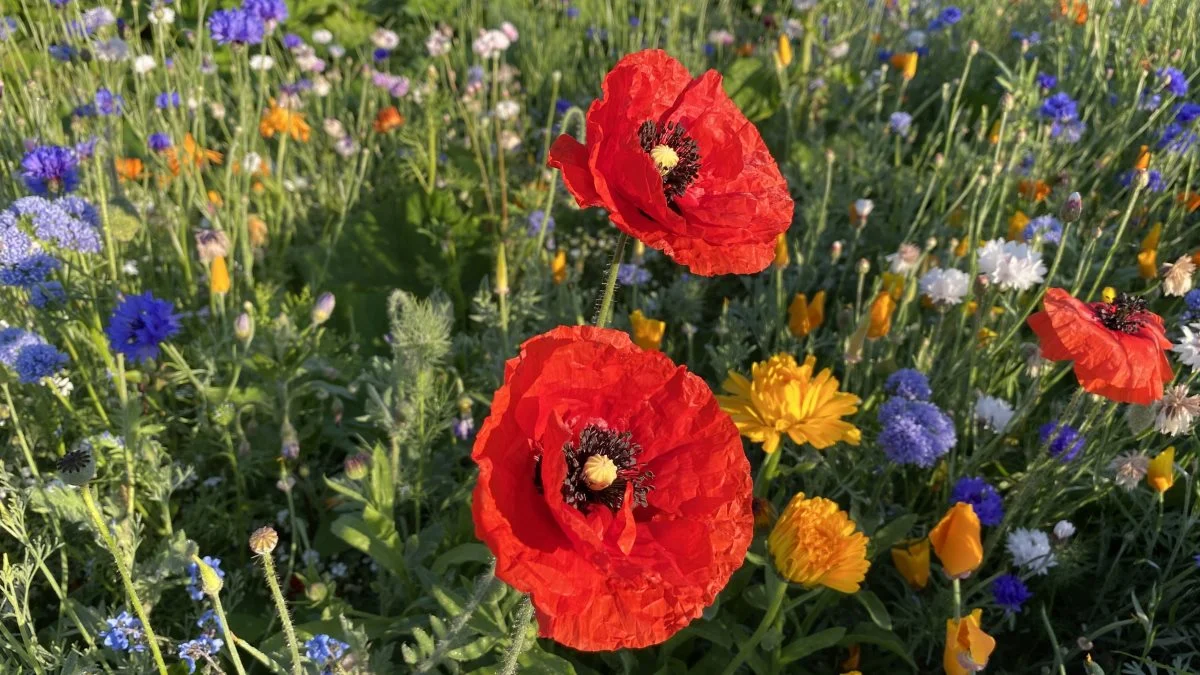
<point x="622" y="451"/>
<point x="674" y="136"/>
<point x="1126" y="314"/>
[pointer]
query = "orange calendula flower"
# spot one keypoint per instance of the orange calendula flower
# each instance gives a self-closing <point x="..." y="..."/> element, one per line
<point x="912" y="560"/>
<point x="387" y="119"/>
<point x="258" y="231"/>
<point x="783" y="397"/>
<point x="647" y="332"/>
<point x="1147" y="256"/>
<point x="906" y="63"/>
<point x="804" y="316"/>
<point x="1016" y="226"/>
<point x="195" y="155"/>
<point x="218" y="276"/>
<point x="1160" y="475"/>
<point x="882" y="309"/>
<point x="815" y="544"/>
<point x="968" y="648"/>
<point x="129" y="168"/>
<point x="782" y="256"/>
<point x="956" y="541"/>
<point x="1033" y="190"/>
<point x="280" y="120"/>
<point x="558" y="267"/>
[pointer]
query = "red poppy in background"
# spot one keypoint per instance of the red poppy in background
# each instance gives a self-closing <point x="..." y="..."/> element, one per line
<point x="1118" y="347"/>
<point x="612" y="489"/>
<point x="678" y="167"/>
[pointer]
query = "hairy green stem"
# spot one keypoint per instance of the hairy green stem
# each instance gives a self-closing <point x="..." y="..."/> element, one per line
<point x="289" y="632"/>
<point x="604" y="314"/>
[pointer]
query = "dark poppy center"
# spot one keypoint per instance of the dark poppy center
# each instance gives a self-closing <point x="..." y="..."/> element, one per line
<point x="1126" y="314"/>
<point x="675" y="155"/>
<point x="73" y="461"/>
<point x="599" y="466"/>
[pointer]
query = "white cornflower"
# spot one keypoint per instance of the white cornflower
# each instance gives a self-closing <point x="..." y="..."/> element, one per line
<point x="261" y="62"/>
<point x="162" y="15"/>
<point x="1188" y="347"/>
<point x="334" y="127"/>
<point x="510" y="31"/>
<point x="490" y="43"/>
<point x="437" y="44"/>
<point x="945" y="286"/>
<point x="994" y="413"/>
<point x="144" y="64"/>
<point x="917" y="39"/>
<point x="720" y="37"/>
<point x="1177" y="410"/>
<point x="862" y="209"/>
<point x="1064" y="529"/>
<point x="904" y="259"/>
<point x="113" y="49"/>
<point x="385" y="39"/>
<point x="839" y="50"/>
<point x="337" y="51"/>
<point x="322" y="36"/>
<point x="321" y="86"/>
<point x="1030" y="550"/>
<point x="130" y="268"/>
<point x="1129" y="469"/>
<point x="1177" y="277"/>
<point x="1011" y="265"/>
<point x="252" y="162"/>
<point x="506" y="110"/>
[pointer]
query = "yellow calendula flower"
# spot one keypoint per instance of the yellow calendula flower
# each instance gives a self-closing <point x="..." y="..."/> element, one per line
<point x="279" y="120"/>
<point x="783" y="397"/>
<point x="218" y="276"/>
<point x="912" y="560"/>
<point x="1016" y="226"/>
<point x="1148" y="253"/>
<point x="956" y="541"/>
<point x="783" y="55"/>
<point x="968" y="648"/>
<point x="782" y="256"/>
<point x="647" y="332"/>
<point x="815" y="544"/>
<point x="881" y="312"/>
<point x="803" y="316"/>
<point x="558" y="267"/>
<point x="1160" y="475"/>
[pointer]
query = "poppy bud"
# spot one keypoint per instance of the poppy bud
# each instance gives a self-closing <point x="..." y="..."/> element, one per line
<point x="1161" y="473"/>
<point x="835" y="251"/>
<point x="323" y="309"/>
<point x="210" y="581"/>
<point x="218" y="276"/>
<point x="501" y="273"/>
<point x="956" y="541"/>
<point x="782" y="257"/>
<point x="862" y="267"/>
<point x="356" y="467"/>
<point x="289" y="442"/>
<point x="264" y="540"/>
<point x="243" y="327"/>
<point x="912" y="560"/>
<point x="1072" y="208"/>
<point x="783" y="55"/>
<point x="78" y="466"/>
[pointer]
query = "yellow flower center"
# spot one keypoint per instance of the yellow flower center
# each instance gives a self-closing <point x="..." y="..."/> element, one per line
<point x="665" y="158"/>
<point x="599" y="472"/>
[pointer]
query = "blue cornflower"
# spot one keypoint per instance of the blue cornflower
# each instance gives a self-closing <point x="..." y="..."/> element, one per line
<point x="159" y="141"/>
<point x="193" y="587"/>
<point x="1177" y="138"/>
<point x="1046" y="227"/>
<point x="1063" y="441"/>
<point x="1068" y="132"/>
<point x="167" y="99"/>
<point x="1149" y="101"/>
<point x="537" y="220"/>
<point x="1010" y="592"/>
<point x="8" y="27"/>
<point x="325" y="651"/>
<point x="1174" y="81"/>
<point x="236" y="27"/>
<point x="1046" y="81"/>
<point x="572" y="12"/>
<point x="1191" y="312"/>
<point x="950" y="16"/>
<point x="124" y="633"/>
<point x="108" y="103"/>
<point x="37" y="361"/>
<point x="84" y="110"/>
<point x="380" y="54"/>
<point x="909" y="384"/>
<point x="69" y="222"/>
<point x="12" y="341"/>
<point x="98" y="17"/>
<point x="1187" y="112"/>
<point x="270" y="12"/>
<point x="561" y="106"/>
<point x="47" y="293"/>
<point x="291" y="41"/>
<point x="883" y="55"/>
<point x="463" y="427"/>
<point x="32" y="270"/>
<point x="1032" y="38"/>
<point x="50" y="169"/>
<point x="1060" y="108"/>
<point x="62" y="52"/>
<point x="85" y="149"/>
<point x="139" y="324"/>
<point x="208" y="619"/>
<point x="1154" y="183"/>
<point x="914" y="432"/>
<point x="901" y="123"/>
<point x="982" y="497"/>
<point x="629" y="274"/>
<point x="83" y="210"/>
<point x="634" y="21"/>
<point x="202" y="648"/>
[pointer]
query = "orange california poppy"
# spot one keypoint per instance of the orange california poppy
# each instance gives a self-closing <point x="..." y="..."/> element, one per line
<point x="389" y="118"/>
<point x="129" y="168"/>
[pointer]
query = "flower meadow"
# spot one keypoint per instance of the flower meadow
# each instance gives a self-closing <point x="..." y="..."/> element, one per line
<point x="569" y="336"/>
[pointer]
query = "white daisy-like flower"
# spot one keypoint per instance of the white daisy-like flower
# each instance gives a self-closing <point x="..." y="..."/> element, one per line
<point x="490" y="43"/>
<point x="1030" y="550"/>
<point x="261" y="62"/>
<point x="437" y="44"/>
<point x="1188" y="347"/>
<point x="322" y="36"/>
<point x="1129" y="469"/>
<point x="507" y="110"/>
<point x="162" y="15"/>
<point x="510" y="31"/>
<point x="1177" y="411"/>
<point x="994" y="413"/>
<point x="385" y="39"/>
<point x="1177" y="277"/>
<point x="1011" y="265"/>
<point x="904" y="259"/>
<point x="144" y="64"/>
<point x="720" y="37"/>
<point x="113" y="49"/>
<point x="945" y="286"/>
<point x="1064" y="529"/>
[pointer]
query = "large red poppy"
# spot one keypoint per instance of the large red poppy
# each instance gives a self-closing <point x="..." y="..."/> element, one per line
<point x="1118" y="347"/>
<point x="612" y="489"/>
<point x="678" y="167"/>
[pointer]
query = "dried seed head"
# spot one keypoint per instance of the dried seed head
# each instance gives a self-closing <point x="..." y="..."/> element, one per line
<point x="264" y="540"/>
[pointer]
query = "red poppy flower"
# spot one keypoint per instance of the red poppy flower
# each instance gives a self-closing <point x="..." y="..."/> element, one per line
<point x="678" y="167"/>
<point x="612" y="489"/>
<point x="1118" y="347"/>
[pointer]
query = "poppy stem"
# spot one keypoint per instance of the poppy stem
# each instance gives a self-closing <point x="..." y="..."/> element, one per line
<point x="760" y="632"/>
<point x="604" y="314"/>
<point x="957" y="599"/>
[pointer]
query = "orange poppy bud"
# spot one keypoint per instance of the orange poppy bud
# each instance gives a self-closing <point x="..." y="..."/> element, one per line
<point x="1161" y="472"/>
<point x="803" y="316"/>
<point x="782" y="256"/>
<point x="1143" y="159"/>
<point x="881" y="312"/>
<point x="558" y="267"/>
<point x="218" y="276"/>
<point x="956" y="541"/>
<point x="912" y="560"/>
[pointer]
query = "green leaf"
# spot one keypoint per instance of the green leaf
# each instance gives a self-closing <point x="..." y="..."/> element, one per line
<point x="344" y="490"/>
<point x="384" y="548"/>
<point x="463" y="553"/>
<point x="875" y="608"/>
<point x="753" y="87"/>
<point x="473" y="650"/>
<point x="451" y="605"/>
<point x="893" y="533"/>
<point x="537" y="662"/>
<point x="383" y="490"/>
<point x="869" y="633"/>
<point x="810" y="644"/>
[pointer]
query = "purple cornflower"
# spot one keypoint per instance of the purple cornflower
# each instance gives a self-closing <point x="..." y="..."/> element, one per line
<point x="1046" y="227"/>
<point x="1010" y="593"/>
<point x="235" y="27"/>
<point x="572" y="12"/>
<point x="1068" y="132"/>
<point x="139" y="324"/>
<point x="1154" y="182"/>
<point x="1060" y="108"/>
<point x="12" y="341"/>
<point x="159" y="141"/>
<point x="397" y="85"/>
<point x="463" y="427"/>
<point x="629" y="274"/>
<point x="270" y="12"/>
<point x="98" y="17"/>
<point x="537" y="220"/>
<point x="37" y="361"/>
<point x="1046" y="81"/>
<point x="62" y="52"/>
<point x="914" y="432"/>
<point x="988" y="504"/>
<point x="69" y="223"/>
<point x="901" y="123"/>
<point x="8" y="26"/>
<point x="1174" y="81"/>
<point x="292" y="41"/>
<point x="84" y="149"/>
<point x="1063" y="441"/>
<point x="167" y="99"/>
<point x="124" y="633"/>
<point x="50" y="169"/>
<point x="908" y="384"/>
<point x="47" y="293"/>
<point x="108" y="103"/>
